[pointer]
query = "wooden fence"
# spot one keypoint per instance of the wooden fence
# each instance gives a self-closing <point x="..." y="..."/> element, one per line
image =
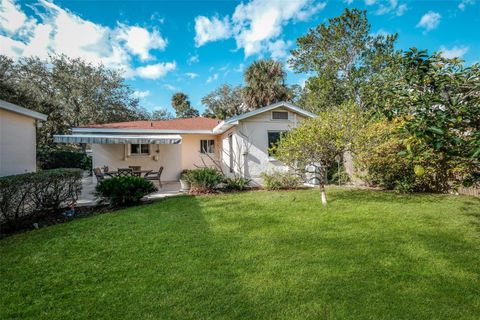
<point x="472" y="191"/>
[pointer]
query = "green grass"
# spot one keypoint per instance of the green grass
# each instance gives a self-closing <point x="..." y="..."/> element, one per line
<point x="276" y="255"/>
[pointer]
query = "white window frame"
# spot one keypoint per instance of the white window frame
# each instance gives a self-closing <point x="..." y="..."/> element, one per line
<point x="273" y="119"/>
<point x="140" y="148"/>
<point x="208" y="146"/>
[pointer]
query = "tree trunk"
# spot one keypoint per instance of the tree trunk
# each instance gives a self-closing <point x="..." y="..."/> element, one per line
<point x="323" y="193"/>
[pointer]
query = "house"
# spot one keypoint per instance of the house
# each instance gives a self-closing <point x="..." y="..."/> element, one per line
<point x="18" y="125"/>
<point x="238" y="145"/>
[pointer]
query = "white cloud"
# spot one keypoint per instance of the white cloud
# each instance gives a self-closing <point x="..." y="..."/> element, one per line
<point x="52" y="29"/>
<point x="191" y="75"/>
<point x="240" y="68"/>
<point x="279" y="49"/>
<point x="155" y="71"/>
<point x="429" y="21"/>
<point x="170" y="87"/>
<point x="193" y="59"/>
<point x="455" y="52"/>
<point x="257" y="24"/>
<point x="210" y="29"/>
<point x="391" y="6"/>
<point x="11" y="17"/>
<point x="141" y="94"/>
<point x="212" y="78"/>
<point x="140" y="41"/>
<point x="462" y="5"/>
<point x="370" y="2"/>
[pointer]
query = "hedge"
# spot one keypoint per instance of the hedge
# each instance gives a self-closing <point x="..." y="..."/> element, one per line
<point x="31" y="195"/>
<point x="53" y="159"/>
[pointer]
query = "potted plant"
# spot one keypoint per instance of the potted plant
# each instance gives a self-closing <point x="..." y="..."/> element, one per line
<point x="185" y="180"/>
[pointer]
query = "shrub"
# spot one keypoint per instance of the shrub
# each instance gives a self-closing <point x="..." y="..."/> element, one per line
<point x="277" y="180"/>
<point x="36" y="194"/>
<point x="236" y="184"/>
<point x="52" y="159"/>
<point x="123" y="191"/>
<point x="204" y="180"/>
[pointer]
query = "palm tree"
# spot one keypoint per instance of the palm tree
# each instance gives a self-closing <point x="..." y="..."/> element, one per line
<point x="265" y="83"/>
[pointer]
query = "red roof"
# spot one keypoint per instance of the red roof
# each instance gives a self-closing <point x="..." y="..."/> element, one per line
<point x="199" y="123"/>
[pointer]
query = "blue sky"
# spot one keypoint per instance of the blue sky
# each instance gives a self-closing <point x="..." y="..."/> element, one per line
<point x="195" y="46"/>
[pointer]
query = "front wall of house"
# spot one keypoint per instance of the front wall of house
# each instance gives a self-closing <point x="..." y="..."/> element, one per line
<point x="253" y="134"/>
<point x="173" y="157"/>
<point x="17" y="143"/>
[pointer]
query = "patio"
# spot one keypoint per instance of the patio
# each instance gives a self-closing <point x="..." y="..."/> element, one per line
<point x="169" y="189"/>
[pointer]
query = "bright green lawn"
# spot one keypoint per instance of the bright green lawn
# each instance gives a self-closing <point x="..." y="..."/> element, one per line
<point x="277" y="255"/>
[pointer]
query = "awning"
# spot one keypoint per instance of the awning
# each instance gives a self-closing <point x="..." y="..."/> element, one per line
<point x="118" y="139"/>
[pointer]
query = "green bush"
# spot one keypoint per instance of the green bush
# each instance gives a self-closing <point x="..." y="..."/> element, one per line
<point x="277" y="180"/>
<point x="35" y="194"/>
<point x="52" y="159"/>
<point x="123" y="191"/>
<point x="236" y="184"/>
<point x="204" y="180"/>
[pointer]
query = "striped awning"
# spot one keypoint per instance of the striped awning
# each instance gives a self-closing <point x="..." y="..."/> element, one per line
<point x="118" y="139"/>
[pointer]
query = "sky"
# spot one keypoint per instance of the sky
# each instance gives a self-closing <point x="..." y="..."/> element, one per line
<point x="195" y="46"/>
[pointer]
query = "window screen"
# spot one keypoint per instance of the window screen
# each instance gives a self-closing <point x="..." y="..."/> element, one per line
<point x="139" y="149"/>
<point x="273" y="138"/>
<point x="207" y="146"/>
<point x="280" y="115"/>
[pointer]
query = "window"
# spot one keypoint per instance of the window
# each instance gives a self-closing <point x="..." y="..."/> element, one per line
<point x="207" y="146"/>
<point x="273" y="138"/>
<point x="139" y="149"/>
<point x="279" y="115"/>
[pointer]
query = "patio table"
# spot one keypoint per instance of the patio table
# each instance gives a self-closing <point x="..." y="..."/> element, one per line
<point x="137" y="173"/>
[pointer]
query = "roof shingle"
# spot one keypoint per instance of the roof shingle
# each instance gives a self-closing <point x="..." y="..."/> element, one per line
<point x="199" y="123"/>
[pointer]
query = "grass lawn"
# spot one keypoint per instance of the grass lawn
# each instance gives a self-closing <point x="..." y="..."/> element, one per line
<point x="277" y="255"/>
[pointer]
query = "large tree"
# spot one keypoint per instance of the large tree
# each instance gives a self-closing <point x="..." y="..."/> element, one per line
<point x="224" y="102"/>
<point x="182" y="106"/>
<point x="70" y="91"/>
<point x="264" y="84"/>
<point x="342" y="55"/>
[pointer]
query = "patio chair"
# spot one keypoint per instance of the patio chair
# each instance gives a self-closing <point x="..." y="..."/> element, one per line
<point x="135" y="168"/>
<point x="155" y="175"/>
<point x="105" y="169"/>
<point x="98" y="174"/>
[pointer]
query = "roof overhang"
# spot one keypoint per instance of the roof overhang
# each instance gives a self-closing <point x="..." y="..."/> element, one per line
<point x="118" y="139"/>
<point x="21" y="110"/>
<point x="227" y="124"/>
<point x="135" y="131"/>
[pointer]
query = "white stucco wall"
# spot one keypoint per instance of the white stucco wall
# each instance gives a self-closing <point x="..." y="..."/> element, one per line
<point x="17" y="143"/>
<point x="173" y="157"/>
<point x="251" y="135"/>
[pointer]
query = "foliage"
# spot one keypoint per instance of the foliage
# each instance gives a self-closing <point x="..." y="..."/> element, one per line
<point x="236" y="183"/>
<point x="344" y="55"/>
<point x="124" y="191"/>
<point x="401" y="249"/>
<point x="204" y="180"/>
<point x="57" y="158"/>
<point x="319" y="141"/>
<point x="160" y="114"/>
<point x="265" y="83"/>
<point x="277" y="180"/>
<point x="181" y="104"/>
<point x="70" y="91"/>
<point x="185" y="175"/>
<point x="224" y="102"/>
<point x="30" y="195"/>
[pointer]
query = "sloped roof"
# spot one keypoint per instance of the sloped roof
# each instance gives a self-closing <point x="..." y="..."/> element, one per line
<point x="186" y="124"/>
<point x="21" y="110"/>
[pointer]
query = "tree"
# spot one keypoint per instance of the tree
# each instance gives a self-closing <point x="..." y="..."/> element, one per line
<point x="319" y="141"/>
<point x="265" y="84"/>
<point x="182" y="106"/>
<point x="70" y="91"/>
<point x="160" y="114"/>
<point x="343" y="55"/>
<point x="224" y="102"/>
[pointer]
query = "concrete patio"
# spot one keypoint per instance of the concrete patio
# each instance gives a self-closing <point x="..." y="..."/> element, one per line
<point x="169" y="189"/>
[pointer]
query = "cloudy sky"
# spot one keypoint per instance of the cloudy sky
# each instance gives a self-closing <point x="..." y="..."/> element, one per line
<point x="195" y="46"/>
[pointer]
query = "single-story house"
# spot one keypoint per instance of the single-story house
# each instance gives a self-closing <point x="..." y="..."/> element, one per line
<point x="238" y="145"/>
<point x="18" y="153"/>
